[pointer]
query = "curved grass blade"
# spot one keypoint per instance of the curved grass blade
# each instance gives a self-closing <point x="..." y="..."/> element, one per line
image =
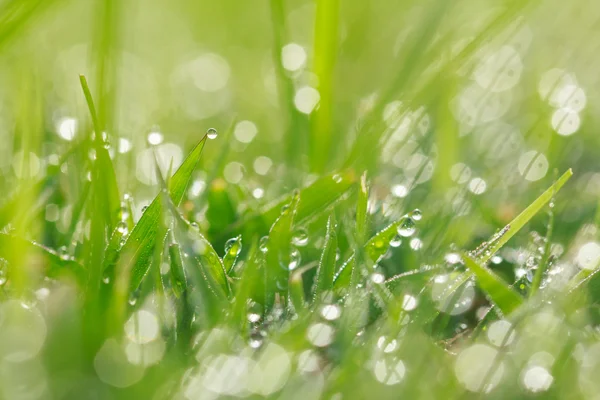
<point x="496" y="289"/>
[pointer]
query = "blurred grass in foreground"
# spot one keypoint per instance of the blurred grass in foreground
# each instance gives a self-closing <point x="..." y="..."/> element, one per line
<point x="299" y="199"/>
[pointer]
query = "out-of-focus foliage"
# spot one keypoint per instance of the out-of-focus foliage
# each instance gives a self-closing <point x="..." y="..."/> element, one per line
<point x="299" y="199"/>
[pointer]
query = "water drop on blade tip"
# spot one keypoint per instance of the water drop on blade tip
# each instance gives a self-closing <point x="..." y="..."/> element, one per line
<point x="211" y="133"/>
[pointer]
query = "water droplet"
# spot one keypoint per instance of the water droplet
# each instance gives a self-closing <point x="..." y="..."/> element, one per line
<point x="263" y="244"/>
<point x="144" y="209"/>
<point x="416" y="214"/>
<point x="122" y="228"/>
<point x="337" y="178"/>
<point x="300" y="237"/>
<point x="293" y="262"/>
<point x="211" y="133"/>
<point x="377" y="278"/>
<point x="407" y="227"/>
<point x="133" y="299"/>
<point x="452" y="258"/>
<point x="106" y="279"/>
<point x="63" y="253"/>
<point x="396" y="242"/>
<point x="233" y="246"/>
<point x="194" y="226"/>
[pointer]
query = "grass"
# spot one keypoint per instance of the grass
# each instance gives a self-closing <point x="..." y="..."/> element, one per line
<point x="372" y="247"/>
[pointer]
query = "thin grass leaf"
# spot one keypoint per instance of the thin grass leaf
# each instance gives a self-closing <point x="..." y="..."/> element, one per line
<point x="104" y="182"/>
<point x="324" y="56"/>
<point x="326" y="268"/>
<point x="279" y="262"/>
<point x="516" y="224"/>
<point x="362" y="210"/>
<point x="495" y="288"/>
<point x="177" y="273"/>
<point x="248" y="284"/>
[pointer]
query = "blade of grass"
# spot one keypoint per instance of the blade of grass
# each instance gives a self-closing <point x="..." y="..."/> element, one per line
<point x="326" y="267"/>
<point x="496" y="289"/>
<point x="520" y="220"/>
<point x="211" y="265"/>
<point x="137" y="250"/>
<point x="278" y="259"/>
<point x="324" y="53"/>
<point x="314" y="200"/>
<point x="375" y="248"/>
<point x="293" y="119"/>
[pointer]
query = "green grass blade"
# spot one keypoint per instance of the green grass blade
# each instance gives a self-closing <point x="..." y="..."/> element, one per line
<point x="278" y="257"/>
<point x="138" y="248"/>
<point x="326" y="268"/>
<point x="314" y="200"/>
<point x="211" y="265"/>
<point x="516" y="224"/>
<point x="325" y="52"/>
<point x="375" y="248"/>
<point x="496" y="289"/>
<point x="362" y="211"/>
<point x="105" y="186"/>
<point x="233" y="249"/>
<point x="177" y="273"/>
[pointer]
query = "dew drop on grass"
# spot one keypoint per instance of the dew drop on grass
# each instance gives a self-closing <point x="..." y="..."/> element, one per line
<point x="407" y="227"/>
<point x="452" y="258"/>
<point x="263" y="244"/>
<point x="293" y="262"/>
<point x="300" y="238"/>
<point x="377" y="278"/>
<point x="63" y="253"/>
<point x="416" y="214"/>
<point x="122" y="228"/>
<point x="233" y="247"/>
<point x="396" y="242"/>
<point x="211" y="133"/>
